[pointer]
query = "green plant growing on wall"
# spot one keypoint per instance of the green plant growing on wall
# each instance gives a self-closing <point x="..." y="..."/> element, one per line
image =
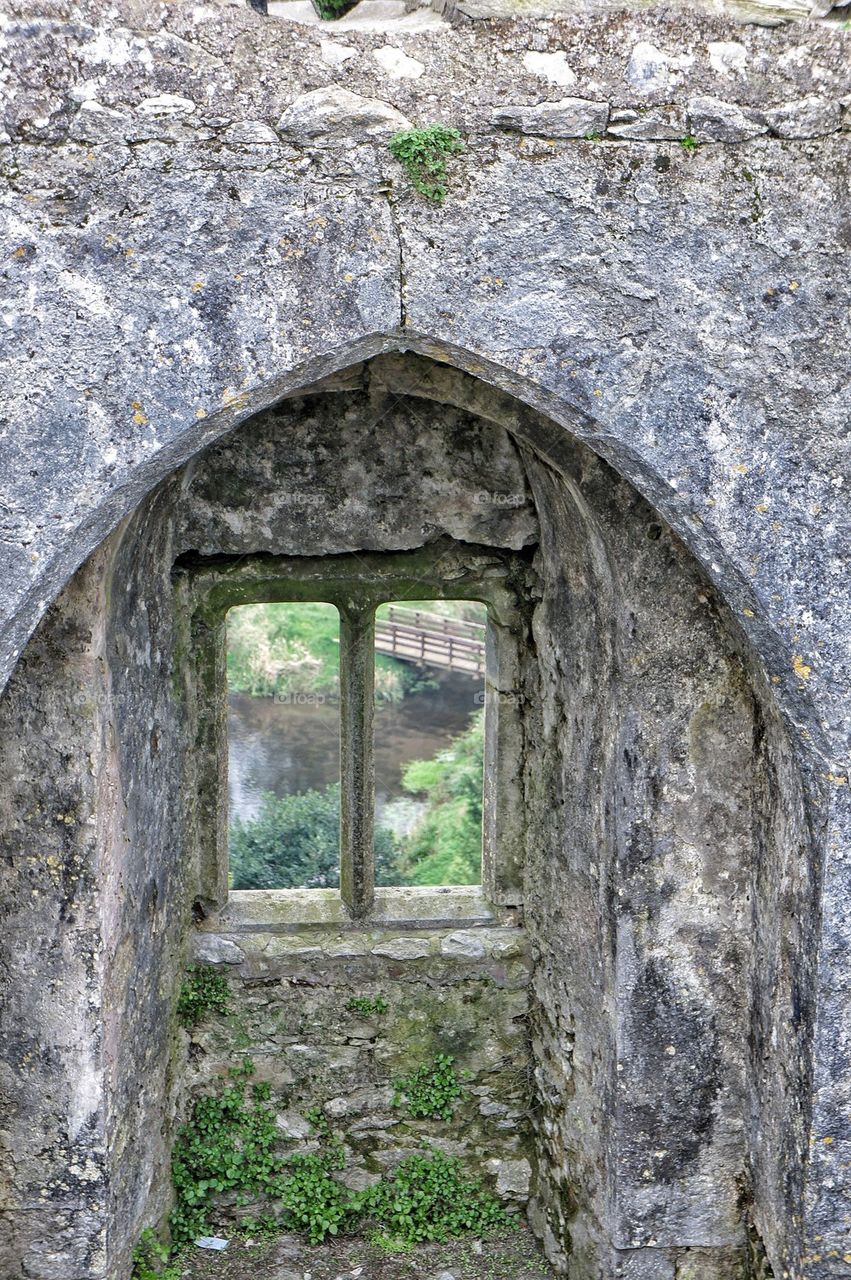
<point x="431" y="1090"/>
<point x="204" y="991"/>
<point x="226" y="1145"/>
<point x="313" y="1202"/>
<point x="689" y="142"/>
<point x="423" y="153"/>
<point x="428" y="1197"/>
<point x="150" y="1259"/>
<point x="366" y="1006"/>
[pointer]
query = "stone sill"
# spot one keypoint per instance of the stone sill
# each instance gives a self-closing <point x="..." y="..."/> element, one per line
<point x="249" y="910"/>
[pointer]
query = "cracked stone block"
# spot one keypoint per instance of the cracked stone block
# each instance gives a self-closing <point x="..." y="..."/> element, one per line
<point x="568" y="118"/>
<point x="712" y="120"/>
<point x="810" y="117"/>
<point x="514" y="1179"/>
<point x="338" y="115"/>
<point x="208" y="948"/>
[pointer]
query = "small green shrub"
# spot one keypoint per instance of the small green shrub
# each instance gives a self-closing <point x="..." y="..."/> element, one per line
<point x="367" y="1007"/>
<point x="150" y="1258"/>
<point x="689" y="143"/>
<point x="431" y="1090"/>
<point x="329" y="10"/>
<point x="313" y="1201"/>
<point x="428" y="1197"/>
<point x="205" y="990"/>
<point x="424" y="153"/>
<point x="226" y="1145"/>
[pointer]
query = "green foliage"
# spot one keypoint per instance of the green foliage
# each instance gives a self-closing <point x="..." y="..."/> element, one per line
<point x="264" y="1227"/>
<point x="313" y="1201"/>
<point x="226" y="1145"/>
<point x="294" y="842"/>
<point x="428" y="1197"/>
<point x="292" y="651"/>
<point x="280" y="649"/>
<point x="150" y="1258"/>
<point x="593" y="136"/>
<point x="431" y="1090"/>
<point x="445" y="847"/>
<point x="205" y="990"/>
<point x="366" y="1006"/>
<point x="424" y="152"/>
<point x="390" y="1245"/>
<point x="329" y="10"/>
<point x="689" y="143"/>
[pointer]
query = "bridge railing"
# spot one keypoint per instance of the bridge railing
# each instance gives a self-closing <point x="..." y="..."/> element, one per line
<point x="434" y="622"/>
<point x="433" y="639"/>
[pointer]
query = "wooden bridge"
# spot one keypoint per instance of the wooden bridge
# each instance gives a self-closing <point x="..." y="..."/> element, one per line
<point x="431" y="639"/>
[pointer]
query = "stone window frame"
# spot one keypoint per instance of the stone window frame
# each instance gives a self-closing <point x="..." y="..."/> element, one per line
<point x="355" y="583"/>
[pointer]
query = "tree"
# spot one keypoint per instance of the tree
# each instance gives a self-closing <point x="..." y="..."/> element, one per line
<point x="294" y="842"/>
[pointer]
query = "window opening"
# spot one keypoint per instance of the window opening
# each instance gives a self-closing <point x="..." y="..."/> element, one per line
<point x="429" y="733"/>
<point x="283" y="671"/>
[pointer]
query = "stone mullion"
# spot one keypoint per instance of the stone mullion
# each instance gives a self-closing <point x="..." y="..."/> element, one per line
<point x="357" y="776"/>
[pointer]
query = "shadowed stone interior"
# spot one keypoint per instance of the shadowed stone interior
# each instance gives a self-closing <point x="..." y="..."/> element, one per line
<point x="644" y="727"/>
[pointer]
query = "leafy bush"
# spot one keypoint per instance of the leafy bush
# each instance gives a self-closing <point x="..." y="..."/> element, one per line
<point x="294" y="842"/>
<point x="314" y="1203"/>
<point x="150" y="1258"/>
<point x="445" y="846"/>
<point x="430" y="1090"/>
<point x="424" y="152"/>
<point x="205" y="990"/>
<point x="428" y="1197"/>
<point x="226" y="1145"/>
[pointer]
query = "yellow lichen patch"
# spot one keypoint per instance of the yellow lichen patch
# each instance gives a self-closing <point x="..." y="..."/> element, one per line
<point x="200" y="413"/>
<point x="828" y="1141"/>
<point x="802" y="671"/>
<point x="749" y="613"/>
<point x="234" y="399"/>
<point x="20" y="252"/>
<point x="793" y="285"/>
<point x="739" y="468"/>
<point x="138" y="414"/>
<point x="197" y="286"/>
<point x="348" y="277"/>
<point x="762" y="507"/>
<point x="597" y="391"/>
<point x="838" y="779"/>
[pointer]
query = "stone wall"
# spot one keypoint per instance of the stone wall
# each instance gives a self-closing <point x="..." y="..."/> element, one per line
<point x="658" y="797"/>
<point x="463" y="992"/>
<point x="204" y="219"/>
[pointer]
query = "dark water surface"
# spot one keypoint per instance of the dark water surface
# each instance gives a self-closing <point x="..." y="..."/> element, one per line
<point x="286" y="747"/>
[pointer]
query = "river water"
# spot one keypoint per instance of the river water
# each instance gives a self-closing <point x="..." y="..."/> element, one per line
<point x="286" y="747"/>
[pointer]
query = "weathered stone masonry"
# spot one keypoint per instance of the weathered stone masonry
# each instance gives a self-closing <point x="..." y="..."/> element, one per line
<point x="649" y="345"/>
